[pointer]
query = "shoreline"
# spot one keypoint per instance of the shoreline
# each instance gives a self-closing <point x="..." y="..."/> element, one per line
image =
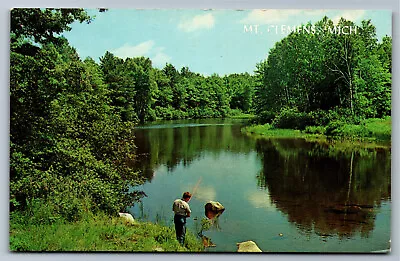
<point x="266" y="132"/>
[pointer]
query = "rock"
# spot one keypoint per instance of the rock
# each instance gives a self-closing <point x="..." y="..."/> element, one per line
<point x="127" y="217"/>
<point x="248" y="246"/>
<point x="207" y="242"/>
<point x="213" y="209"/>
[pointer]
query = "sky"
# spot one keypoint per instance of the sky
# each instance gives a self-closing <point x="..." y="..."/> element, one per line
<point x="207" y="41"/>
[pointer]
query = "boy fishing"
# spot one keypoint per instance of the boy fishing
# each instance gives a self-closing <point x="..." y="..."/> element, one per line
<point x="182" y="211"/>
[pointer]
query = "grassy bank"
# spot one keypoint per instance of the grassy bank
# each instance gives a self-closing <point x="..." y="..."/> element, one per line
<point x="268" y="131"/>
<point x="238" y="114"/>
<point x="242" y="116"/>
<point x="97" y="233"/>
<point x="371" y="131"/>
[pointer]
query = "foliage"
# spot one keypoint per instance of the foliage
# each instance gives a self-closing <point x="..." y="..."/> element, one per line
<point x="71" y="133"/>
<point x="380" y="128"/>
<point x="376" y="129"/>
<point x="238" y="114"/>
<point x="240" y="88"/>
<point x="140" y="92"/>
<point x="291" y="118"/>
<point x="327" y="72"/>
<point x="315" y="129"/>
<point x="101" y="233"/>
<point x="44" y="26"/>
<point x="267" y="130"/>
<point x="67" y="145"/>
<point x="264" y="117"/>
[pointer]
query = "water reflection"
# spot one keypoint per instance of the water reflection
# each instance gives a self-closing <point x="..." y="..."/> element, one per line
<point x="331" y="194"/>
<point x="323" y="190"/>
<point x="157" y="145"/>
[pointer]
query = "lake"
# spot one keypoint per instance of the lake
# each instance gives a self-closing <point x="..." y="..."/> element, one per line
<point x="287" y="195"/>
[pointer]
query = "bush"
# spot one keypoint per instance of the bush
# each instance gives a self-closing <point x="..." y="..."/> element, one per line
<point x="38" y="212"/>
<point x="324" y="118"/>
<point x="291" y="118"/>
<point x="319" y="117"/>
<point x="340" y="129"/>
<point x="333" y="128"/>
<point x="235" y="112"/>
<point x="164" y="113"/>
<point x="178" y="114"/>
<point x="315" y="129"/>
<point x="264" y="117"/>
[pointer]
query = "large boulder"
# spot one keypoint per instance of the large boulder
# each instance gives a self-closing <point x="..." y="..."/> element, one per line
<point x="213" y="209"/>
<point x="248" y="246"/>
<point x="127" y="218"/>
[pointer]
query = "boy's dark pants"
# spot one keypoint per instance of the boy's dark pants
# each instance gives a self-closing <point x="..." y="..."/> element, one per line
<point x="180" y="228"/>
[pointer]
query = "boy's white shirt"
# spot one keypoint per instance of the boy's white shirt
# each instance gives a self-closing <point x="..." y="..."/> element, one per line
<point x="181" y="207"/>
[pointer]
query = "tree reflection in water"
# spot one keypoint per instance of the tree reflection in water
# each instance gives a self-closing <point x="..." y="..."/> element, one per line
<point x="323" y="189"/>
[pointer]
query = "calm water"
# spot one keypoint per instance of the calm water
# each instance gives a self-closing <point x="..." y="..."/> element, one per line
<point x="285" y="194"/>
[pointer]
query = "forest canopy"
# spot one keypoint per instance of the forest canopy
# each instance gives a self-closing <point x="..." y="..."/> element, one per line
<point x="346" y="73"/>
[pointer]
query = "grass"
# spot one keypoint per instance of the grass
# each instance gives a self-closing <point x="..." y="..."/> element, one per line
<point x="268" y="131"/>
<point x="242" y="116"/>
<point x="381" y="129"/>
<point x="370" y="130"/>
<point x="377" y="132"/>
<point x="238" y="114"/>
<point x="99" y="233"/>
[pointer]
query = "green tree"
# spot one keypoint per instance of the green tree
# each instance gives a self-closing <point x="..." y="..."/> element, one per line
<point x="145" y="86"/>
<point x="68" y="147"/>
<point x="327" y="70"/>
<point x="384" y="51"/>
<point x="118" y="75"/>
<point x="44" y="25"/>
<point x="173" y="76"/>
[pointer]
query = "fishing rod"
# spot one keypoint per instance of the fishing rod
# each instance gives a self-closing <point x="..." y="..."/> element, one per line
<point x="196" y="186"/>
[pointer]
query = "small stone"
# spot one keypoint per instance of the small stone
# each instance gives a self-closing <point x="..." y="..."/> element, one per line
<point x="248" y="246"/>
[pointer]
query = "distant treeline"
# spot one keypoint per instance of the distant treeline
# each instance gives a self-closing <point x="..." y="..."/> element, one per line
<point x="141" y="92"/>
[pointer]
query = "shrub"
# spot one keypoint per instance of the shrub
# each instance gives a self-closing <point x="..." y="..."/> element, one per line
<point x="164" y="113"/>
<point x="333" y="128"/>
<point x="324" y="118"/>
<point x="235" y="112"/>
<point x="355" y="131"/>
<point x="315" y="129"/>
<point x="340" y="129"/>
<point x="265" y="117"/>
<point x="319" y="117"/>
<point x="291" y="118"/>
<point x="38" y="212"/>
